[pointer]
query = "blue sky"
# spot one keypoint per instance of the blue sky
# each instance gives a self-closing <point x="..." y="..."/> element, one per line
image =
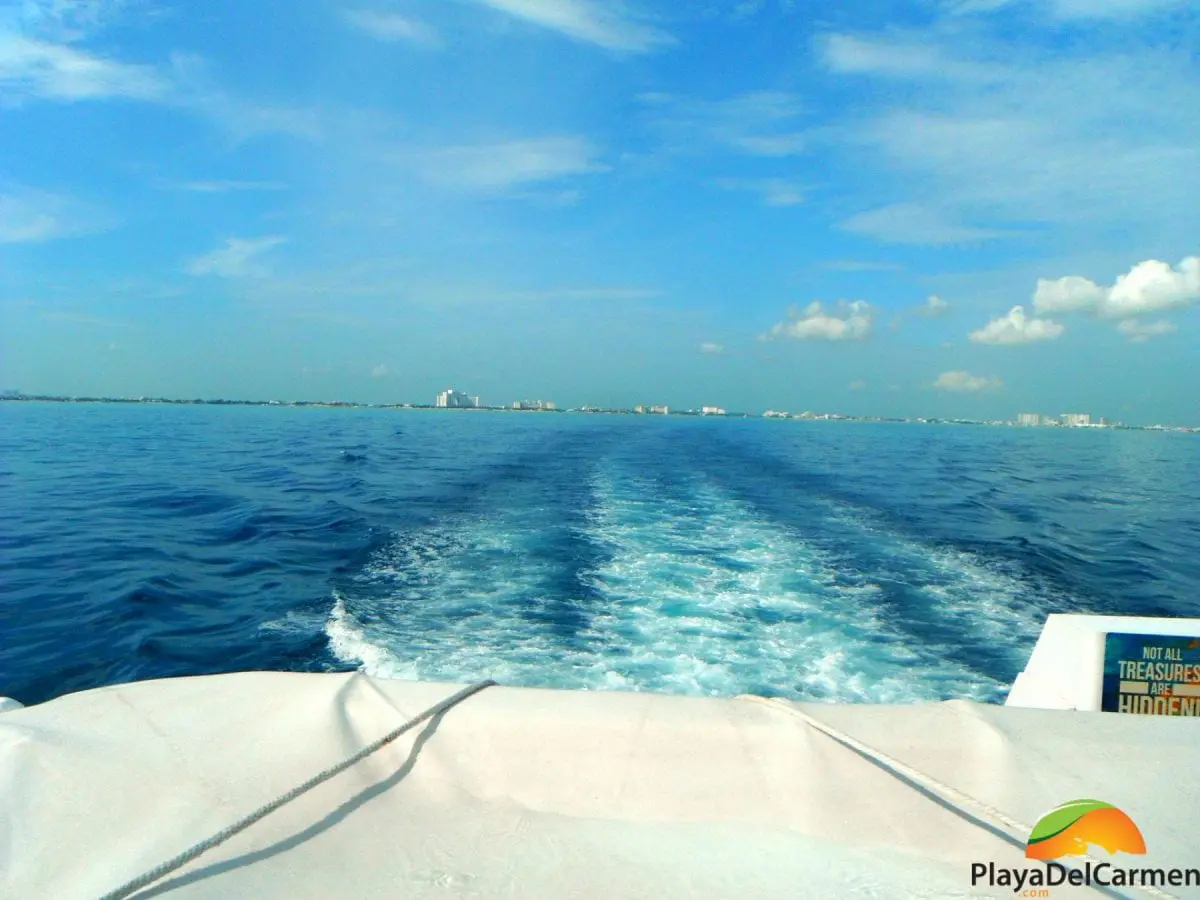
<point x="783" y="204"/>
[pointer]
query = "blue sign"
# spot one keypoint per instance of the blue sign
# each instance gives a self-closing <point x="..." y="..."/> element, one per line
<point x="1151" y="674"/>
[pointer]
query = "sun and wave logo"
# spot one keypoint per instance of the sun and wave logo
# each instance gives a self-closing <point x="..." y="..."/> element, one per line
<point x="1072" y="829"/>
<point x="1067" y="830"/>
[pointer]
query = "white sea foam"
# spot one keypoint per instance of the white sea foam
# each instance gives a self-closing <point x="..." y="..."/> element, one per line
<point x="982" y="598"/>
<point x="696" y="593"/>
<point x="708" y="597"/>
<point x="349" y="642"/>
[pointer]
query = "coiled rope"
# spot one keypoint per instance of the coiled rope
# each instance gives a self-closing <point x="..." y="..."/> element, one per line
<point x="220" y="837"/>
<point x="964" y="805"/>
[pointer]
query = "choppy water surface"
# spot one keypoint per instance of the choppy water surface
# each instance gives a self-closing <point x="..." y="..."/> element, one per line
<point x="818" y="560"/>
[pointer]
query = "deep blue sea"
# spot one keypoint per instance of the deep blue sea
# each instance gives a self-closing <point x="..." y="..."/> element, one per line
<point x="818" y="560"/>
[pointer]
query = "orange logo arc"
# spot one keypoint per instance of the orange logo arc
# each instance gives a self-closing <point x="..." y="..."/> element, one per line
<point x="1068" y="829"/>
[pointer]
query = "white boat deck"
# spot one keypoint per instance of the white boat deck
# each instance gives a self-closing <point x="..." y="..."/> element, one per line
<point x="524" y="793"/>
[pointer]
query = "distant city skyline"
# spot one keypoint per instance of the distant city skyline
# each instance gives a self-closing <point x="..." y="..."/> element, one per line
<point x="914" y="208"/>
<point x="457" y="400"/>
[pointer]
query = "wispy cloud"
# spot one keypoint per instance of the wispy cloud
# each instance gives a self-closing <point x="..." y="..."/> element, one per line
<point x="22" y="221"/>
<point x="857" y="385"/>
<point x="1116" y="10"/>
<point x="222" y="187"/>
<point x="34" y="69"/>
<point x="382" y="287"/>
<point x="708" y="347"/>
<point x="31" y="216"/>
<point x="392" y="27"/>
<point x="238" y="258"/>
<point x="964" y="382"/>
<point x="599" y="294"/>
<point x="757" y="123"/>
<point x="971" y="137"/>
<point x="1140" y="332"/>
<point x="74" y="318"/>
<point x="1017" y="328"/>
<point x="849" y="321"/>
<point x="913" y="223"/>
<point x="859" y="265"/>
<point x="500" y="167"/>
<point x="772" y="191"/>
<point x="1149" y="287"/>
<point x="73" y="20"/>
<point x="934" y="306"/>
<point x="195" y="89"/>
<point x="605" y="24"/>
<point x="904" y="57"/>
<point x="38" y="69"/>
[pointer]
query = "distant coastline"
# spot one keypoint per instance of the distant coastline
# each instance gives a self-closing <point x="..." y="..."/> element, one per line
<point x="587" y="410"/>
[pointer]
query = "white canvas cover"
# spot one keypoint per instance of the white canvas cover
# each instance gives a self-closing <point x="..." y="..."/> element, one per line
<point x="523" y="793"/>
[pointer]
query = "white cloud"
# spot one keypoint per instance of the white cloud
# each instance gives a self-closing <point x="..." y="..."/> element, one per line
<point x="909" y="58"/>
<point x="965" y="7"/>
<point x="599" y="294"/>
<point x="1139" y="333"/>
<point x="788" y="144"/>
<point x="746" y="9"/>
<point x="1149" y="287"/>
<point x="1016" y="328"/>
<point x="1070" y="294"/>
<point x="391" y="27"/>
<point x="30" y="216"/>
<point x="34" y="68"/>
<point x="499" y="167"/>
<point x="221" y="187"/>
<point x="966" y="382"/>
<point x="195" y="89"/>
<point x="711" y="348"/>
<point x="380" y="371"/>
<point x="934" y="306"/>
<point x="1112" y="9"/>
<point x="74" y="318"/>
<point x="74" y="20"/>
<point x="757" y="123"/>
<point x="604" y="24"/>
<point x="37" y="69"/>
<point x="22" y="222"/>
<point x="851" y="322"/>
<point x="967" y="137"/>
<point x="1072" y="9"/>
<point x="914" y="223"/>
<point x="857" y="385"/>
<point x="239" y="258"/>
<point x="857" y="265"/>
<point x="772" y="191"/>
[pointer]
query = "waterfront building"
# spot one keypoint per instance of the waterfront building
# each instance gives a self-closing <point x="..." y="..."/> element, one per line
<point x="452" y="399"/>
<point x="534" y="404"/>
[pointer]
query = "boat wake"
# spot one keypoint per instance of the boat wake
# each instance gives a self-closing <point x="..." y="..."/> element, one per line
<point x="682" y="587"/>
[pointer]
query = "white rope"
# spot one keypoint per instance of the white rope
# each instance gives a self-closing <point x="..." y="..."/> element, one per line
<point x="975" y="810"/>
<point x="220" y="837"/>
